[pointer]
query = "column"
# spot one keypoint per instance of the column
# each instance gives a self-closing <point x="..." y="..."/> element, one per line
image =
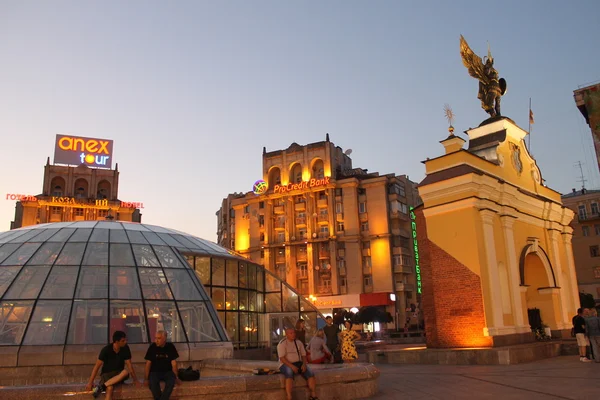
<point x="489" y="272"/>
<point x="571" y="286"/>
<point x="564" y="319"/>
<point x="512" y="265"/>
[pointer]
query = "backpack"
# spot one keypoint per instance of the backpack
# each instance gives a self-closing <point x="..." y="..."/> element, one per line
<point x="188" y="374"/>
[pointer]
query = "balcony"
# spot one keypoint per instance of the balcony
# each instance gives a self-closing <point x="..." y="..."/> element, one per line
<point x="588" y="217"/>
<point x="342" y="271"/>
<point x="367" y="270"/>
<point x="301" y="221"/>
<point x="404" y="287"/>
<point x="323" y="218"/>
<point x="323" y="254"/>
<point x="280" y="259"/>
<point x="300" y="206"/>
<point x="279" y="225"/>
<point x="301" y="257"/>
<point x="401" y="269"/>
<point x="278" y="210"/>
<point x="302" y="274"/>
<point x="397" y="214"/>
<point x="339" y="217"/>
<point x="363" y="217"/>
<point x="323" y="235"/>
<point x="324" y="289"/>
<point x="322" y="203"/>
<point x="400" y="250"/>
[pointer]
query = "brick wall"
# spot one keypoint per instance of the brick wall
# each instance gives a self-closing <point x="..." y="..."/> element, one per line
<point x="452" y="302"/>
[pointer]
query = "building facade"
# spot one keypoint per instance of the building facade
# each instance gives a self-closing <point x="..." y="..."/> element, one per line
<point x="340" y="235"/>
<point x="587" y="100"/>
<point x="74" y="194"/>
<point x="586" y="238"/>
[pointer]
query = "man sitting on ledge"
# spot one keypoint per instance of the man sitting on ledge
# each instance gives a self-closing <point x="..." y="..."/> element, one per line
<point x="292" y="361"/>
<point x="112" y="358"/>
<point x="161" y="366"/>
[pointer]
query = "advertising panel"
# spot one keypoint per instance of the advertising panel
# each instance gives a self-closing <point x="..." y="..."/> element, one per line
<point x="76" y="150"/>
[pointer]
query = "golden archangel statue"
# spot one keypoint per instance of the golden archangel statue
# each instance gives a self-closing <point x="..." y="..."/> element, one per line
<point x="491" y="88"/>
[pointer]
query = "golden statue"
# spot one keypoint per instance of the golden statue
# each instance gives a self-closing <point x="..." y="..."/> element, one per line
<point x="491" y="88"/>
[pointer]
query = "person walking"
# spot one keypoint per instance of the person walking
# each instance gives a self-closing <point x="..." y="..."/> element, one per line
<point x="347" y="339"/>
<point x="161" y="365"/>
<point x="592" y="332"/>
<point x="115" y="361"/>
<point x="292" y="361"/>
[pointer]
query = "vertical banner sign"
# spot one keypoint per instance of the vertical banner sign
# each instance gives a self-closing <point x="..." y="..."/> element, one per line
<point x="416" y="248"/>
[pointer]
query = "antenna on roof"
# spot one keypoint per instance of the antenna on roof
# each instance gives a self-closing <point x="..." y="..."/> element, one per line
<point x="582" y="177"/>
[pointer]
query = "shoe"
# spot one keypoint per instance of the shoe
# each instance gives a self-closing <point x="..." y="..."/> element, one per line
<point x="313" y="398"/>
<point x="585" y="359"/>
<point x="99" y="388"/>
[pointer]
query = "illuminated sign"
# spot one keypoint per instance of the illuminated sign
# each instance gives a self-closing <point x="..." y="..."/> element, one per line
<point x="75" y="150"/>
<point x="327" y="303"/>
<point x="64" y="201"/>
<point x="301" y="185"/>
<point x="416" y="248"/>
<point x="260" y="187"/>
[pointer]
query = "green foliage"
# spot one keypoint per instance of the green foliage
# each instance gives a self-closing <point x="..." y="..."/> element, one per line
<point x="586" y="300"/>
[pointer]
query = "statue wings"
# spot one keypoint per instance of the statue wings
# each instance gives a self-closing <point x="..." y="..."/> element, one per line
<point x="473" y="62"/>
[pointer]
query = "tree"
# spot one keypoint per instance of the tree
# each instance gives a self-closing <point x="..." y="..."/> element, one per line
<point x="586" y="300"/>
<point x="370" y="314"/>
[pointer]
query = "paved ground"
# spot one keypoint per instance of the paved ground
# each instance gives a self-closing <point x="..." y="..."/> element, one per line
<point x="556" y="378"/>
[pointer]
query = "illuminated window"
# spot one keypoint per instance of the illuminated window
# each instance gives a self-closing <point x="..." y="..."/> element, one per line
<point x="324" y="230"/>
<point x="364" y="226"/>
<point x="362" y="207"/>
<point x="78" y="212"/>
<point x="586" y="230"/>
<point x="594" y="251"/>
<point x="597" y="272"/>
<point x="302" y="270"/>
<point x="56" y="210"/>
<point x="339" y="208"/>
<point x="340" y="227"/>
<point x="594" y="207"/>
<point x="102" y="213"/>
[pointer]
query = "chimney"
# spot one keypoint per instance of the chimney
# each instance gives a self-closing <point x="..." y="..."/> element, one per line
<point x="574" y="190"/>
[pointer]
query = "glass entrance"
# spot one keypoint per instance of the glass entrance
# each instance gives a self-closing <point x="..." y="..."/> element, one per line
<point x="277" y="324"/>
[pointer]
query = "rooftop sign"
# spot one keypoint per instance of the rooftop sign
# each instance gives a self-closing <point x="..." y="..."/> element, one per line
<point x="75" y="150"/>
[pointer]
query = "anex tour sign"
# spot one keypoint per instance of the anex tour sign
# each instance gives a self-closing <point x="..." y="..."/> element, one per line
<point x="75" y="150"/>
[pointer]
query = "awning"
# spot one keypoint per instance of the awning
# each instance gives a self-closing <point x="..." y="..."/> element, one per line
<point x="375" y="299"/>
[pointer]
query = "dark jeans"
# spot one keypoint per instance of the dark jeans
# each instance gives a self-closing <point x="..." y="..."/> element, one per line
<point x="155" y="378"/>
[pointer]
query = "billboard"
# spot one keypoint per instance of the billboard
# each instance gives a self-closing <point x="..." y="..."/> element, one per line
<point x="76" y="150"/>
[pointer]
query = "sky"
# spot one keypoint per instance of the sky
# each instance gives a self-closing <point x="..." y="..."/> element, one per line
<point x="191" y="91"/>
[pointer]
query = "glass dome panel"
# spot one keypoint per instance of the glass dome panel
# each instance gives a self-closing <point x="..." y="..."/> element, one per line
<point x="60" y="283"/>
<point x="14" y="316"/>
<point x="48" y="324"/>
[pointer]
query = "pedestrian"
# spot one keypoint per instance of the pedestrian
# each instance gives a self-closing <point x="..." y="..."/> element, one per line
<point x="301" y="331"/>
<point x="332" y="343"/>
<point x="579" y="329"/>
<point x="161" y="365"/>
<point x="317" y="350"/>
<point x="592" y="331"/>
<point x="347" y="339"/>
<point x="292" y="361"/>
<point x="115" y="360"/>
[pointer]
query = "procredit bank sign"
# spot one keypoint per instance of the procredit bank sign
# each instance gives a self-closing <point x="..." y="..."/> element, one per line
<point x="76" y="150"/>
<point x="301" y="185"/>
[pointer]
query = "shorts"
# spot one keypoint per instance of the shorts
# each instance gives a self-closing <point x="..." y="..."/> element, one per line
<point x="582" y="341"/>
<point x="108" y="375"/>
<point x="289" y="374"/>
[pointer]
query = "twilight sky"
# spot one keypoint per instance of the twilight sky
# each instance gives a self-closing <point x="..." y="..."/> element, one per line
<point x="191" y="91"/>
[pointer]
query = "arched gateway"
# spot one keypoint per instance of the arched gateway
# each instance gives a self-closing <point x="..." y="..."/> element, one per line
<point x="495" y="242"/>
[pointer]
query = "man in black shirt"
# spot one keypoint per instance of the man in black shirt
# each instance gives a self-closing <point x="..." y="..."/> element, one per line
<point x="113" y="359"/>
<point x="331" y="333"/>
<point x="580" y="334"/>
<point x="161" y="366"/>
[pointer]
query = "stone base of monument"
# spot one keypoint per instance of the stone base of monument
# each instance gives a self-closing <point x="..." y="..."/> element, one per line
<point x="219" y="380"/>
<point x="503" y="355"/>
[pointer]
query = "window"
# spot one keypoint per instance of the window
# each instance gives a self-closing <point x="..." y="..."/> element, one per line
<point x="368" y="280"/>
<point x="343" y="282"/>
<point x="597" y="229"/>
<point x="232" y="213"/>
<point x="339" y="208"/>
<point x="338" y="191"/>
<point x="262" y="254"/>
<point x="362" y="207"/>
<point x="594" y="251"/>
<point x="582" y="212"/>
<point x="341" y="264"/>
<point x="397" y="188"/>
<point x="55" y="210"/>
<point x="247" y="209"/>
<point x="281" y="236"/>
<point x="585" y="230"/>
<point x="406" y="261"/>
<point x="302" y="271"/>
<point x="102" y="213"/>
<point x="302" y="233"/>
<point x="597" y="272"/>
<point x="261" y="204"/>
<point x="78" y="212"/>
<point x="58" y="191"/>
<point x="364" y="226"/>
<point x="262" y="237"/>
<point x="366" y="245"/>
<point x="324" y="231"/>
<point x="367" y="262"/>
<point x="340" y="227"/>
<point x="594" y="207"/>
<point x="261" y="221"/>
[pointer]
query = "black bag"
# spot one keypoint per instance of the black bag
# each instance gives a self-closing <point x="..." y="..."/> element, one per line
<point x="188" y="374"/>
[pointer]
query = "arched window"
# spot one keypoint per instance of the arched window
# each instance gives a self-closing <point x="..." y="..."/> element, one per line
<point x="296" y="173"/>
<point x="103" y="190"/>
<point x="274" y="177"/>
<point x="318" y="169"/>
<point x="57" y="186"/>
<point x="81" y="188"/>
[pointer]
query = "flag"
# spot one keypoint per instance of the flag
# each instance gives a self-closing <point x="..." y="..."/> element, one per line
<point x="530" y="116"/>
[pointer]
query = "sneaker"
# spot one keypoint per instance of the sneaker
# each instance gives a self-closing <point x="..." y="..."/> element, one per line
<point x="99" y="388"/>
<point x="585" y="359"/>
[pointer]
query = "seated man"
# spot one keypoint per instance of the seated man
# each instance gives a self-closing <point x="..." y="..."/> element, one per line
<point x="161" y="366"/>
<point x="292" y="361"/>
<point x="113" y="358"/>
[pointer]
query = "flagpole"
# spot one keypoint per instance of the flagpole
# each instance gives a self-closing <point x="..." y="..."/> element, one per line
<point x="529" y="130"/>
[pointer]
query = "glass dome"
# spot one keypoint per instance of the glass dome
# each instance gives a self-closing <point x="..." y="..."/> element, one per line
<point x="75" y="283"/>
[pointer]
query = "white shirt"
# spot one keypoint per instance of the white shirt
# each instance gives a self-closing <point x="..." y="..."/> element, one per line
<point x="287" y="349"/>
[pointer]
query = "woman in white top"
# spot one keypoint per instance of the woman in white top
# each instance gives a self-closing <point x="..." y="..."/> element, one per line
<point x="317" y="350"/>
